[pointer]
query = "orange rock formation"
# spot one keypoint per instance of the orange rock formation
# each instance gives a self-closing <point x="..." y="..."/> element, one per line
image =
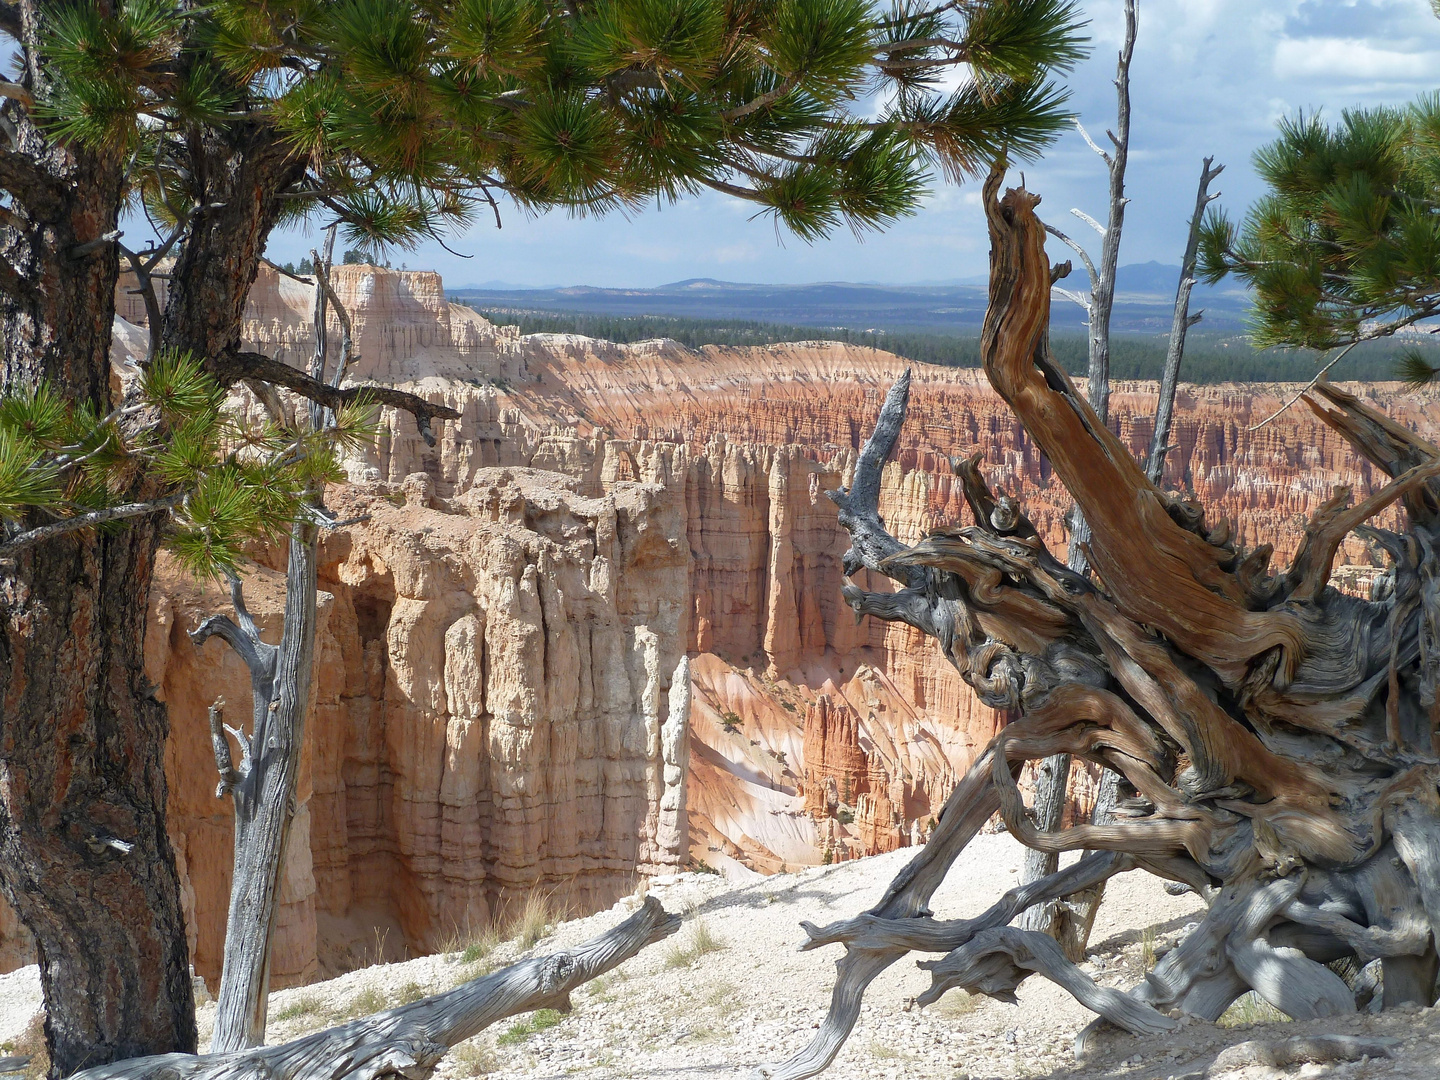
<point x="491" y="707"/>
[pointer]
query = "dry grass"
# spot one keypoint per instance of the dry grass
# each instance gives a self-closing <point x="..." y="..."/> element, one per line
<point x="367" y="1001"/>
<point x="955" y="1004"/>
<point x="474" y="1059"/>
<point x="1147" y="948"/>
<point x="411" y="991"/>
<point x="724" y="998"/>
<point x="526" y="927"/>
<point x="700" y="941"/>
<point x="308" y="1005"/>
<point x="534" y="1023"/>
<point x="1250" y="1009"/>
<point x="30" y="1043"/>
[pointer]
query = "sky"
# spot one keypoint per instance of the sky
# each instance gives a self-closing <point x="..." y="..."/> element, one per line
<point x="1209" y="77"/>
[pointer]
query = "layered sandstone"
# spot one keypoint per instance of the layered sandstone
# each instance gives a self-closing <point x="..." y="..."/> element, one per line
<point x="498" y="706"/>
<point x="490" y="715"/>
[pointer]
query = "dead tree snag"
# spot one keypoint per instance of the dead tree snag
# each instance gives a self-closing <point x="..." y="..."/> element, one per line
<point x="1275" y="737"/>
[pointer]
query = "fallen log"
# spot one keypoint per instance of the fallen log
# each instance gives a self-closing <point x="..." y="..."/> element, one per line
<point x="410" y="1040"/>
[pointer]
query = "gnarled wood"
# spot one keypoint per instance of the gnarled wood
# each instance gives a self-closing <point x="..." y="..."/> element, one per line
<point x="1276" y="739"/>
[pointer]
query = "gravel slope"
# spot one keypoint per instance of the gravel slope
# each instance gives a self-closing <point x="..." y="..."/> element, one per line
<point x="679" y="1012"/>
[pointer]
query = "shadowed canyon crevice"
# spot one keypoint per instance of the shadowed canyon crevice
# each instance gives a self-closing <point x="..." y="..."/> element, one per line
<point x="494" y="710"/>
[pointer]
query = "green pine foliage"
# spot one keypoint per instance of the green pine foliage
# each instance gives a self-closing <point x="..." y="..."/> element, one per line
<point x="1345" y="246"/>
<point x="413" y="114"/>
<point x="223" y="483"/>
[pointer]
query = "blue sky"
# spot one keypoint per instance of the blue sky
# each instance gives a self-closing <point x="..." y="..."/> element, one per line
<point x="1209" y="77"/>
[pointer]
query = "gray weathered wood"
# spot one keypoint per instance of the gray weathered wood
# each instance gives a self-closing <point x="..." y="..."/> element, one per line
<point x="1275" y="739"/>
<point x="1179" y="326"/>
<point x="996" y="961"/>
<point x="263" y="787"/>
<point x="1319" y="1049"/>
<point x="410" y="1040"/>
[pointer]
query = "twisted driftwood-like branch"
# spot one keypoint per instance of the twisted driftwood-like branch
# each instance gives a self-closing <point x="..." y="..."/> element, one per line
<point x="1276" y="739"/>
<point x="410" y="1040"/>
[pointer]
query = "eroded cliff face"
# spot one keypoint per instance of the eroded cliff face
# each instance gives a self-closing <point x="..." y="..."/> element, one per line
<point x="495" y="684"/>
<point x="492" y="697"/>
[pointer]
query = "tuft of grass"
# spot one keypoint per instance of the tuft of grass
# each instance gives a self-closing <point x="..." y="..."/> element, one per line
<point x="1147" y="948"/>
<point x="535" y="918"/>
<point x="533" y="1024"/>
<point x="1250" y="1009"/>
<point x="367" y="1001"/>
<point x="411" y="991"/>
<point x="30" y="1043"/>
<point x="303" y="1006"/>
<point x="723" y="998"/>
<point x="700" y="941"/>
<point x="474" y="1059"/>
<point x="955" y="1004"/>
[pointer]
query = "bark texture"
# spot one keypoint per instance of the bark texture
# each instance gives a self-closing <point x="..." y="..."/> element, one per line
<point x="1275" y="737"/>
<point x="84" y="857"/>
<point x="409" y="1041"/>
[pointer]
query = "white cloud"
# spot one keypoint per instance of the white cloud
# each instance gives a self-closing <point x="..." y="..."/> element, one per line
<point x="1352" y="59"/>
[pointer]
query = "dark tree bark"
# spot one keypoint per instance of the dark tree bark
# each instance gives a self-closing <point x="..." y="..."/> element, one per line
<point x="84" y="857"/>
<point x="1276" y="738"/>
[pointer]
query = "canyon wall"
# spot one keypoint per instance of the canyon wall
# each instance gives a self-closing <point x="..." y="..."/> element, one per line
<point x="496" y="708"/>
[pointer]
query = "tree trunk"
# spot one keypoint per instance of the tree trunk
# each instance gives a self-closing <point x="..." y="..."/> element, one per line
<point x="1070" y="922"/>
<point x="236" y="183"/>
<point x="84" y="856"/>
<point x="1275" y="738"/>
<point x="1179" y="326"/>
<point x="263" y="788"/>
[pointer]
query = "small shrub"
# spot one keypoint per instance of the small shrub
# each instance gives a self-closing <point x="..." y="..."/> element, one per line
<point x="845" y="816"/>
<point x="700" y="866"/>
<point x="730" y="722"/>
<point x="533" y="1024"/>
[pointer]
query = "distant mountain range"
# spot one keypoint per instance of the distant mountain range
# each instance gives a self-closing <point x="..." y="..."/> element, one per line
<point x="1145" y="297"/>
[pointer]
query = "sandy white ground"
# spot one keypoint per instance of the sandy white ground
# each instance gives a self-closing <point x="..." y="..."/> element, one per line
<point x="670" y="1016"/>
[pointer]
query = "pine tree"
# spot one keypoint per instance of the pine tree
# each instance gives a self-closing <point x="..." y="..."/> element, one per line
<point x="1345" y="245"/>
<point x="398" y="120"/>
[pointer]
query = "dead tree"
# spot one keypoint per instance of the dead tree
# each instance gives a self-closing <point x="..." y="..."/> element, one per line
<point x="410" y="1040"/>
<point x="1070" y="920"/>
<point x="1179" y="326"/>
<point x="1276" y="737"/>
<point x="262" y="787"/>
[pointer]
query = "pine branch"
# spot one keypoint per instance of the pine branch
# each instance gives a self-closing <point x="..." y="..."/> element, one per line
<point x="123" y="512"/>
<point x="236" y="366"/>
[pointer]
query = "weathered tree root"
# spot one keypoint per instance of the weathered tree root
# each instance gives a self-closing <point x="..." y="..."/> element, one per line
<point x="409" y="1041"/>
<point x="1319" y="1049"/>
<point x="1276" y="739"/>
